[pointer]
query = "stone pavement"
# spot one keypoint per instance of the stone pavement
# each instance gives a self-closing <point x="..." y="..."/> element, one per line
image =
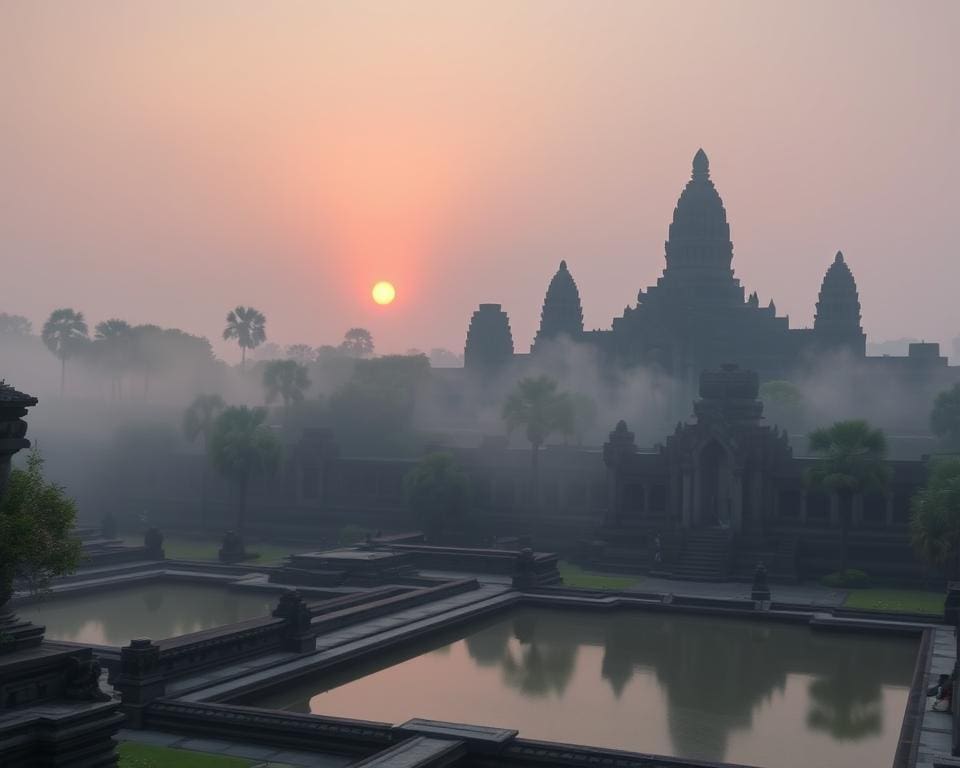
<point x="936" y="728"/>
<point x="804" y="594"/>
<point x="265" y="756"/>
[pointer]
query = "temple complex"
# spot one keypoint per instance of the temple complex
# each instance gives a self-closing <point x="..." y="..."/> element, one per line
<point x="698" y="315"/>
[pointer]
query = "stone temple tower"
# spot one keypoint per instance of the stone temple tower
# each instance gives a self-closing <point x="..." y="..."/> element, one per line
<point x="489" y="346"/>
<point x="562" y="314"/>
<point x="837" y="321"/>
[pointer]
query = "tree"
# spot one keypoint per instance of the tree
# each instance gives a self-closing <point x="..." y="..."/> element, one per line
<point x="357" y="342"/>
<point x="64" y="334"/>
<point x="242" y="448"/>
<point x="198" y="420"/>
<point x="114" y="348"/>
<point x="541" y="410"/>
<point x="14" y="325"/>
<point x="784" y="403"/>
<point x="36" y="525"/>
<point x="436" y="492"/>
<point x="945" y="416"/>
<point x="850" y="461"/>
<point x="248" y="327"/>
<point x="581" y="416"/>
<point x="302" y="353"/>
<point x="935" y="517"/>
<point x="286" y="379"/>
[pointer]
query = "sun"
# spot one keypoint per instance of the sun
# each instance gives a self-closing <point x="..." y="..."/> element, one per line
<point x="384" y="292"/>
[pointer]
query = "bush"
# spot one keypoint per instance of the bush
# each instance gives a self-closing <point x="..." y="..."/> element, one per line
<point x="850" y="578"/>
<point x="351" y="534"/>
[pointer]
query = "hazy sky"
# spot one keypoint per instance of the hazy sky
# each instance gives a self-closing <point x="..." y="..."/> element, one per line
<point x="163" y="161"/>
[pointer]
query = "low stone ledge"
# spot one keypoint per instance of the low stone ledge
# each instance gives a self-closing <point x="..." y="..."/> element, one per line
<point x="366" y="611"/>
<point x="417" y="752"/>
<point x="266" y="726"/>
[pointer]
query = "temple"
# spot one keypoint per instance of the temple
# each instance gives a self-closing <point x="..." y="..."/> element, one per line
<point x="698" y="316"/>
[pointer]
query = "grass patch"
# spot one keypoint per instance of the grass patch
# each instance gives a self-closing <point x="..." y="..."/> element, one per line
<point x="189" y="548"/>
<point x="575" y="576"/>
<point x="134" y="755"/>
<point x="895" y="600"/>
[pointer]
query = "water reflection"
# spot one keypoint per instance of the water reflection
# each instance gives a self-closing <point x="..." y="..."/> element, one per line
<point x="696" y="687"/>
<point x="156" y="610"/>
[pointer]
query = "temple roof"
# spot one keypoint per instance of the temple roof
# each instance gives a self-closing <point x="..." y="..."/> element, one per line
<point x="562" y="312"/>
<point x="489" y="340"/>
<point x="839" y="276"/>
<point x="10" y="395"/>
<point x="838" y="304"/>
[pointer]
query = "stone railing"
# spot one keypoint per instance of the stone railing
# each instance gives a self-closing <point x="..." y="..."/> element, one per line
<point x="327" y="622"/>
<point x="146" y="666"/>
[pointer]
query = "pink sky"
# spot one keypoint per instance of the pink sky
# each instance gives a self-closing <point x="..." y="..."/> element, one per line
<point x="165" y="161"/>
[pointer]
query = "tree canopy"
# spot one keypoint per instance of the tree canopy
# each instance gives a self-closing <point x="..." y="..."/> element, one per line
<point x="36" y="524"/>
<point x="285" y="379"/>
<point x="64" y="334"/>
<point x="14" y="325"/>
<point x="850" y="461"/>
<point x="539" y="408"/>
<point x="242" y="448"/>
<point x="851" y="457"/>
<point x="945" y="416"/>
<point x="357" y="342"/>
<point x="248" y="326"/>
<point x="200" y="415"/>
<point x="935" y="517"/>
<point x="436" y="491"/>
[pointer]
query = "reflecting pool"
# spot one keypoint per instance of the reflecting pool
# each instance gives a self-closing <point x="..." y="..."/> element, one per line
<point x="750" y="692"/>
<point x="155" y="609"/>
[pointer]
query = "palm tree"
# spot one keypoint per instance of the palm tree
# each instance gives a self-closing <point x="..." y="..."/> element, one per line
<point x="198" y="421"/>
<point x="114" y="340"/>
<point x="302" y="353"/>
<point x="935" y="519"/>
<point x="436" y="491"/>
<point x="537" y="406"/>
<point x="248" y="327"/>
<point x="242" y="448"/>
<point x="945" y="416"/>
<point x="850" y="461"/>
<point x="64" y="333"/>
<point x="286" y="379"/>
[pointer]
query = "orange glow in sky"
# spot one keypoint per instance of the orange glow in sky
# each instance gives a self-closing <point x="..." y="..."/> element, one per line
<point x="169" y="161"/>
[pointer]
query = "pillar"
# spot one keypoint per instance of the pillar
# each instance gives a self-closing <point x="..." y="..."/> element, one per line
<point x="736" y="507"/>
<point x="834" y="510"/>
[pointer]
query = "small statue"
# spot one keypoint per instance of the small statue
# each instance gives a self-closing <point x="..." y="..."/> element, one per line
<point x="524" y="575"/>
<point x="153" y="542"/>
<point x="761" y="589"/>
<point x="82" y="680"/>
<point x="232" y="549"/>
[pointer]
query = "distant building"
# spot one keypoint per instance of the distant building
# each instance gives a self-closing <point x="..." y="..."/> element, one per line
<point x="698" y="316"/>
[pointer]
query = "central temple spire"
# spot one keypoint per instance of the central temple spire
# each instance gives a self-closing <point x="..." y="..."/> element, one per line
<point x="701" y="166"/>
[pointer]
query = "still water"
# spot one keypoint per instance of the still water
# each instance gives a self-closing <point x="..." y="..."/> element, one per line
<point x="756" y="693"/>
<point x="156" y="610"/>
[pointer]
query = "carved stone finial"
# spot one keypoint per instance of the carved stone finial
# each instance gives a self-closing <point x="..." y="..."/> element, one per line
<point x="701" y="165"/>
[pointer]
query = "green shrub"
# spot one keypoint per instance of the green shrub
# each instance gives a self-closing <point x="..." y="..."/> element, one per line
<point x="351" y="534"/>
<point x="850" y="578"/>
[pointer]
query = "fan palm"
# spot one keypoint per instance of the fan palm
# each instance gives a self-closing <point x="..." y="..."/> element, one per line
<point x="286" y="379"/>
<point x="63" y="334"/>
<point x="850" y="461"/>
<point x="114" y="340"/>
<point x="243" y="448"/>
<point x="249" y="327"/>
<point x="935" y="519"/>
<point x="198" y="421"/>
<point x="541" y="410"/>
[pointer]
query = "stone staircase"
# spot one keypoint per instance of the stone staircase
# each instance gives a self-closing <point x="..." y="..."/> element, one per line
<point x="705" y="556"/>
